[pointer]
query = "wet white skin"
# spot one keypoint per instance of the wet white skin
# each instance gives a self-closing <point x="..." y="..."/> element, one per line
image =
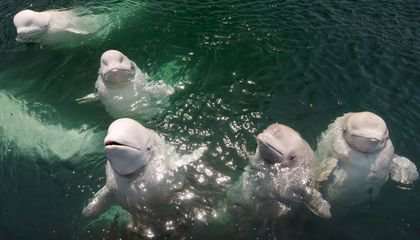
<point x="281" y="144"/>
<point x="31" y="25"/>
<point x="56" y="27"/>
<point x="125" y="90"/>
<point x="143" y="174"/>
<point x="365" y="132"/>
<point x="355" y="157"/>
<point x="279" y="176"/>
<point x="129" y="146"/>
<point x="116" y="69"/>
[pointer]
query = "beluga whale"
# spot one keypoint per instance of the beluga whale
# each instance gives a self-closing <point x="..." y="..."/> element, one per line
<point x="279" y="177"/>
<point x="32" y="134"/>
<point x="125" y="90"/>
<point x="355" y="157"/>
<point x="144" y="175"/>
<point x="61" y="27"/>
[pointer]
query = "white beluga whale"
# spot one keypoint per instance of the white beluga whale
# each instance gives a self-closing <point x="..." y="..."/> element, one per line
<point x="279" y="177"/>
<point x="56" y="27"/>
<point x="143" y="176"/>
<point x="355" y="157"/>
<point x="30" y="135"/>
<point x="125" y="90"/>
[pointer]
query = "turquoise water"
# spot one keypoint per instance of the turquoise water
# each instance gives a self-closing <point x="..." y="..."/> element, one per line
<point x="238" y="66"/>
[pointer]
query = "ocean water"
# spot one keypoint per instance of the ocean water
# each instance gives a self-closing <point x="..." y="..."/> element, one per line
<point x="237" y="67"/>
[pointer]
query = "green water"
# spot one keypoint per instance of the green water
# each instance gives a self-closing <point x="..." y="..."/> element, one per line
<point x="238" y="66"/>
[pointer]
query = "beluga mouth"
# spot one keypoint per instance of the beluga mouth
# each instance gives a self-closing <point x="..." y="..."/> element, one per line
<point x="113" y="143"/>
<point x="117" y="76"/>
<point x="28" y="37"/>
<point x="274" y="149"/>
<point x="116" y="144"/>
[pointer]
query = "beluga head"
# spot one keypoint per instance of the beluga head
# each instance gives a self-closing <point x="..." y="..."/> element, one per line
<point x="365" y="132"/>
<point x="128" y="146"/>
<point x="31" y="25"/>
<point x="116" y="69"/>
<point x="281" y="144"/>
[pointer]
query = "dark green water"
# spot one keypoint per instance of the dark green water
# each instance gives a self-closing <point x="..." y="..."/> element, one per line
<point x="243" y="65"/>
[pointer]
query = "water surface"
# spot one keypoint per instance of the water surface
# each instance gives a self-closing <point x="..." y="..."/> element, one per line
<point x="238" y="66"/>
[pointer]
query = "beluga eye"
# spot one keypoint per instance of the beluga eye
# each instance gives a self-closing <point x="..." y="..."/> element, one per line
<point x="104" y="62"/>
<point x="292" y="157"/>
<point x="121" y="59"/>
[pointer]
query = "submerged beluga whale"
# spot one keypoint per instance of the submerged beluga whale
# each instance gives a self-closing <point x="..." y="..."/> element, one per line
<point x="143" y="176"/>
<point x="61" y="27"/>
<point x="125" y="90"/>
<point x="23" y="131"/>
<point x="355" y="157"/>
<point x="279" y="177"/>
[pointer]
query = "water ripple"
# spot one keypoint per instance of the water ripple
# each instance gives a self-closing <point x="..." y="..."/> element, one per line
<point x="238" y="66"/>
